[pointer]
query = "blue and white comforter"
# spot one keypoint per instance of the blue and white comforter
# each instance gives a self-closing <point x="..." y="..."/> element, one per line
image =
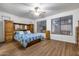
<point x="24" y="39"/>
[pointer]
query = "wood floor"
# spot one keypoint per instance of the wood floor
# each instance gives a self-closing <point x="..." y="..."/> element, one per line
<point x="43" y="48"/>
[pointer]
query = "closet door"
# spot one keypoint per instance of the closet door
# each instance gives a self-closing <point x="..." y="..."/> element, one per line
<point x="8" y="31"/>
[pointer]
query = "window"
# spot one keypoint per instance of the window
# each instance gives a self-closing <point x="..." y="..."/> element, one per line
<point x="62" y="25"/>
<point x="41" y="26"/>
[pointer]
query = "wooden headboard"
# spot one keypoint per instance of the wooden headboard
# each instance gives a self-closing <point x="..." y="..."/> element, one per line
<point x="23" y="27"/>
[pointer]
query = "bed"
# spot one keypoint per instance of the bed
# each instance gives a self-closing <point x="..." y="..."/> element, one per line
<point x="25" y="37"/>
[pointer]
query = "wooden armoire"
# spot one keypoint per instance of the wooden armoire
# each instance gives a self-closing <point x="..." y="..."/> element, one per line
<point x="8" y="30"/>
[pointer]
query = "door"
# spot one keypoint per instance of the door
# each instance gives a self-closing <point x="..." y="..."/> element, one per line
<point x="1" y="31"/>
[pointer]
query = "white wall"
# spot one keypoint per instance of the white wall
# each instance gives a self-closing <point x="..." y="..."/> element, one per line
<point x="66" y="38"/>
<point x="15" y="19"/>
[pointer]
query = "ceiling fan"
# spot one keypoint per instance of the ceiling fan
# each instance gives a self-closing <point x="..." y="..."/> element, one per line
<point x="37" y="11"/>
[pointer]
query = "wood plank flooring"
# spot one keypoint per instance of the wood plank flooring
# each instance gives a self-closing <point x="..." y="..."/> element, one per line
<point x="43" y="48"/>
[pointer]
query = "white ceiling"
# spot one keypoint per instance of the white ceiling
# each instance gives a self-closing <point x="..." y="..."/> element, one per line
<point x="22" y="9"/>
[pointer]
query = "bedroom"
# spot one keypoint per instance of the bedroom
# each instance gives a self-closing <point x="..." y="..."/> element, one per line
<point x="48" y="28"/>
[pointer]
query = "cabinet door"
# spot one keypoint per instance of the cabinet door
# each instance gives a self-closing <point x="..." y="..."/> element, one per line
<point x="8" y="30"/>
<point x="8" y="26"/>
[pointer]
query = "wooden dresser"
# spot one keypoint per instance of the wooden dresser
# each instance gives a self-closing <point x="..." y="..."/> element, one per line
<point x="8" y="30"/>
<point x="77" y="34"/>
<point x="47" y="35"/>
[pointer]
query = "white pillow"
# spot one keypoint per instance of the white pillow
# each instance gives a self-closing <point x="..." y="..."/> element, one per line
<point x="28" y="32"/>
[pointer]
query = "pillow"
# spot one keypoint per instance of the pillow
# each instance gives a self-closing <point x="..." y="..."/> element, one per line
<point x="21" y="32"/>
<point x="28" y="32"/>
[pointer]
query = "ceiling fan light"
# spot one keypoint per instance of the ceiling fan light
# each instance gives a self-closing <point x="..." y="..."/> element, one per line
<point x="37" y="14"/>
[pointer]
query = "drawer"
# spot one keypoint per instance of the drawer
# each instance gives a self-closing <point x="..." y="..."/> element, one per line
<point x="9" y="38"/>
